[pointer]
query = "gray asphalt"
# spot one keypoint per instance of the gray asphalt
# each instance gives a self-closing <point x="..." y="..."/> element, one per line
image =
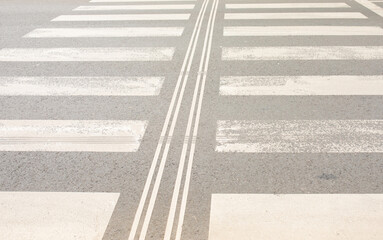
<point x="212" y="172"/>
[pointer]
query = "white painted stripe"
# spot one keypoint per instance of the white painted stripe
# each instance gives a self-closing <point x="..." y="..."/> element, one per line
<point x="71" y="135"/>
<point x="301" y="85"/>
<point x="303" y="53"/>
<point x="298" y="136"/>
<point x="134" y="7"/>
<point x="83" y="86"/>
<point x="371" y="6"/>
<point x="120" y="1"/>
<point x="55" y="215"/>
<point x="167" y="132"/>
<point x="296" y="216"/>
<point x="86" y="54"/>
<point x="122" y="17"/>
<point x="191" y="133"/>
<point x="105" y="32"/>
<point x="286" y="5"/>
<point x="297" y="15"/>
<point x="250" y="31"/>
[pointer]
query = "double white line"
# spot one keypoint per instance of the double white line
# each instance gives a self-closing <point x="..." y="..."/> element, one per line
<point x="191" y="136"/>
<point x="169" y="126"/>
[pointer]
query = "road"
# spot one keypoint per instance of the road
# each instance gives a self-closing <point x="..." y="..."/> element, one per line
<point x="191" y="119"/>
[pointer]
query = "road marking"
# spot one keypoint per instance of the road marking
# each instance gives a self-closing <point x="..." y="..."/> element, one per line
<point x="106" y="32"/>
<point x="80" y="86"/>
<point x="190" y="137"/>
<point x="286" y="5"/>
<point x="301" y="85"/>
<point x="86" y="54"/>
<point x="122" y="17"/>
<point x="55" y="215"/>
<point x="71" y="135"/>
<point x="114" y="1"/>
<point x="250" y="31"/>
<point x="303" y="53"/>
<point x="296" y="216"/>
<point x="371" y="6"/>
<point x="299" y="136"/>
<point x="167" y="132"/>
<point x="134" y="7"/>
<point x="302" y="15"/>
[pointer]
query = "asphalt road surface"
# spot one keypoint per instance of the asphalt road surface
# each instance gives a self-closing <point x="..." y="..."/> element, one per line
<point x="191" y="119"/>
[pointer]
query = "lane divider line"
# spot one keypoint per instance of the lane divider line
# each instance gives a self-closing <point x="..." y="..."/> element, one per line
<point x="183" y="77"/>
<point x="193" y="115"/>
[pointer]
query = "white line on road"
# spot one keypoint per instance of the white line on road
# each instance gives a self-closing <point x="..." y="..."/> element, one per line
<point x="299" y="15"/>
<point x="167" y="132"/>
<point x="55" y="215"/>
<point x="296" y="216"/>
<point x="71" y="135"/>
<point x="371" y="6"/>
<point x="80" y="86"/>
<point x="299" y="136"/>
<point x="285" y="5"/>
<point x="191" y="136"/>
<point x="303" y="53"/>
<point x="301" y="85"/>
<point x="106" y="32"/>
<point x="134" y="7"/>
<point x="122" y="17"/>
<point x="250" y="31"/>
<point x="86" y="54"/>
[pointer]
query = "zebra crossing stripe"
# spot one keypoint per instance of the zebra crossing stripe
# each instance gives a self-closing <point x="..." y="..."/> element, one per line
<point x="122" y="17"/>
<point x="303" y="53"/>
<point x="301" y="85"/>
<point x="80" y="86"/>
<point x="71" y="135"/>
<point x="134" y="7"/>
<point x="297" y="216"/>
<point x="106" y="32"/>
<point x="250" y="31"/>
<point x="299" y="136"/>
<point x="86" y="54"/>
<point x="299" y="15"/>
<point x="285" y="5"/>
<point x="55" y="215"/>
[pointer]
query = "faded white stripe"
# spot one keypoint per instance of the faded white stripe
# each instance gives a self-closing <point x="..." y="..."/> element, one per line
<point x="84" y="86"/>
<point x="250" y="31"/>
<point x="55" y="215"/>
<point x="86" y="54"/>
<point x="303" y="53"/>
<point x="105" y="32"/>
<point x="71" y="135"/>
<point x="296" y="216"/>
<point x="134" y="7"/>
<point x="286" y="5"/>
<point x="299" y="136"/>
<point x="301" y="15"/>
<point x="122" y="17"/>
<point x="301" y="85"/>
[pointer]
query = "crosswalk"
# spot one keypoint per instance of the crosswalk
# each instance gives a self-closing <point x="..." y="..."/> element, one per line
<point x="83" y="215"/>
<point x="294" y="216"/>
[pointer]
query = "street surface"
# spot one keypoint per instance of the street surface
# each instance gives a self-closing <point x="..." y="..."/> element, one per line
<point x="191" y="119"/>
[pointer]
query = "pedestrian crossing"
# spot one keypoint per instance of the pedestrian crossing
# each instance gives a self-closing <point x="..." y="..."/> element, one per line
<point x="81" y="215"/>
<point x="248" y="45"/>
